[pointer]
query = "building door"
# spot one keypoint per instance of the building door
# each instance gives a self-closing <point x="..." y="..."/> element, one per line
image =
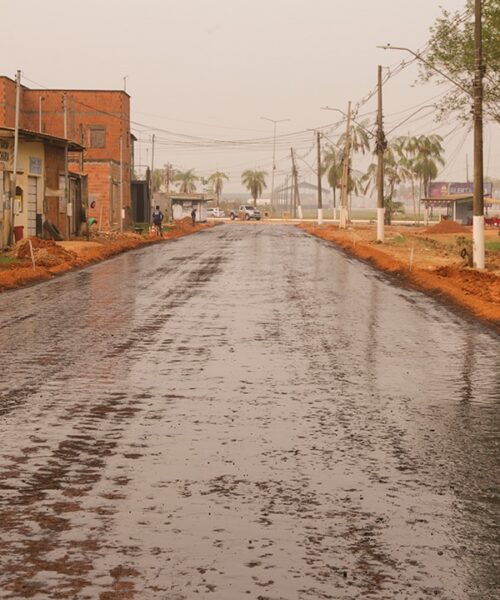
<point x="32" y="197"/>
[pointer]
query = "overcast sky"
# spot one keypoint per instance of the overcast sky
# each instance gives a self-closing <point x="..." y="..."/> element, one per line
<point x="213" y="68"/>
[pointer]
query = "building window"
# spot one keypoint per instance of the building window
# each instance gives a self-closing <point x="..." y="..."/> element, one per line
<point x="97" y="137"/>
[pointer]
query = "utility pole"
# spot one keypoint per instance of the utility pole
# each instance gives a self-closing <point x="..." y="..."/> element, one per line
<point x="14" y="166"/>
<point x="320" y="191"/>
<point x="381" y="145"/>
<point x="478" y="202"/>
<point x="298" y="207"/>
<point x="121" y="184"/>
<point x="275" y="123"/>
<point x="344" y="190"/>
<point x="151" y="184"/>
<point x="40" y="121"/>
<point x="66" y="175"/>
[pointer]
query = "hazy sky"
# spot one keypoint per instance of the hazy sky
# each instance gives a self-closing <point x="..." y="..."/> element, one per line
<point x="212" y="68"/>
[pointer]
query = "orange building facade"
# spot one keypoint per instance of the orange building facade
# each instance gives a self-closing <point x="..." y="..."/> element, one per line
<point x="97" y="121"/>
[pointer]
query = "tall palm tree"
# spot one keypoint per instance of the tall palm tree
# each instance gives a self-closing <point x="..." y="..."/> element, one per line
<point x="332" y="167"/>
<point x="428" y="158"/>
<point x="255" y="182"/>
<point x="393" y="176"/>
<point x="217" y="181"/>
<point x="186" y="180"/>
<point x="360" y="140"/>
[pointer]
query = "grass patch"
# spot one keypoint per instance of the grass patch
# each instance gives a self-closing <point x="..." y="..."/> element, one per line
<point x="399" y="239"/>
<point x="492" y="246"/>
<point x="7" y="260"/>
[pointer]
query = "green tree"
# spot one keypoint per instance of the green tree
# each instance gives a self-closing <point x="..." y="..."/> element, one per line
<point x="451" y="50"/>
<point x="169" y="173"/>
<point x="428" y="158"/>
<point x="360" y="137"/>
<point x="186" y="180"/>
<point x="157" y="180"/>
<point x="393" y="175"/>
<point x="332" y="168"/>
<point x="216" y="180"/>
<point x="255" y="182"/>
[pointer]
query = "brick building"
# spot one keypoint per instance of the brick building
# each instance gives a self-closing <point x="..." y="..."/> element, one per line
<point x="97" y="120"/>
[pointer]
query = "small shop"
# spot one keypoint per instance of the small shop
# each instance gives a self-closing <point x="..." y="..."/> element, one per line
<point x="456" y="207"/>
<point x="181" y="206"/>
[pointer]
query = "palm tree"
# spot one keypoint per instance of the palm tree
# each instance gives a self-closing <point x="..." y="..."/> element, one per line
<point x="332" y="167"/>
<point x="255" y="182"/>
<point x="217" y="181"/>
<point x="360" y="141"/>
<point x="186" y="180"/>
<point x="428" y="158"/>
<point x="393" y="176"/>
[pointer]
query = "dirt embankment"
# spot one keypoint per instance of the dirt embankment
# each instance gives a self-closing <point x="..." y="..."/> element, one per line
<point x="53" y="258"/>
<point x="429" y="260"/>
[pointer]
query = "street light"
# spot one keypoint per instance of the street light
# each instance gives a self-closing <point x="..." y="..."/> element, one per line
<point x="353" y="120"/>
<point x="477" y="95"/>
<point x="275" y="122"/>
<point x="426" y="62"/>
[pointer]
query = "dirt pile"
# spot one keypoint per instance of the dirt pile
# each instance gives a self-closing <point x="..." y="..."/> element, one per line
<point x="46" y="252"/>
<point x="446" y="226"/>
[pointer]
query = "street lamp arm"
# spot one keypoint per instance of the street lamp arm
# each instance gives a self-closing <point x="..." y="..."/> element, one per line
<point x="426" y="62"/>
<point x="275" y="120"/>
<point x="353" y="120"/>
<point x="409" y="117"/>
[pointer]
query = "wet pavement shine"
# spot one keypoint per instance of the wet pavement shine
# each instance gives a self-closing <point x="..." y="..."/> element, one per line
<point x="245" y="413"/>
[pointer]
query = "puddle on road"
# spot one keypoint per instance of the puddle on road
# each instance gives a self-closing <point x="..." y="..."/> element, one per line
<point x="268" y="420"/>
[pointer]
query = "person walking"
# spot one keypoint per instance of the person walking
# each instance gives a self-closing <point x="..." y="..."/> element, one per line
<point x="193" y="216"/>
<point x="157" y="221"/>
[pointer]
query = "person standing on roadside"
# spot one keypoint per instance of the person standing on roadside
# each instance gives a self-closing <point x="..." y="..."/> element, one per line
<point x="193" y="216"/>
<point x="157" y="221"/>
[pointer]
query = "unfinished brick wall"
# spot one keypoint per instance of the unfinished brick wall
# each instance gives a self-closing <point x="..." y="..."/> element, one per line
<point x="86" y="109"/>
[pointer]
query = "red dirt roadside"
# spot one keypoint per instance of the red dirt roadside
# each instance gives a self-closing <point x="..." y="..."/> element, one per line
<point x="426" y="259"/>
<point x="54" y="258"/>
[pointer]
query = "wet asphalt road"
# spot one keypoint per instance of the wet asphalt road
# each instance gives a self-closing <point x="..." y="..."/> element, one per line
<point x="245" y="413"/>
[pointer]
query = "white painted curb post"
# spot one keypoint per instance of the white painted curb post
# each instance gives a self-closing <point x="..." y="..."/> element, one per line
<point x="478" y="241"/>
<point x="320" y="216"/>
<point x="380" y="224"/>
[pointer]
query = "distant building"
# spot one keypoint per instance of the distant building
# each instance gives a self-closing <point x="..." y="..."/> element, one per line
<point x="455" y="200"/>
<point x="180" y="205"/>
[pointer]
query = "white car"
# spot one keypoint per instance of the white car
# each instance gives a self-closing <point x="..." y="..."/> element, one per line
<point x="215" y="212"/>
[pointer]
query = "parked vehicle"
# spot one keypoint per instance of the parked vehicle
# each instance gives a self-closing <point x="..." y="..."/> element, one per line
<point x="215" y="212"/>
<point x="246" y="212"/>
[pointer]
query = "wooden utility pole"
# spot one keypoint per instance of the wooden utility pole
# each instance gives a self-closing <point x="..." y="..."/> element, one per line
<point x="13" y="183"/>
<point x="297" y="205"/>
<point x="151" y="181"/>
<point x="478" y="203"/>
<point x="121" y="185"/>
<point x="66" y="167"/>
<point x="344" y="190"/>
<point x="381" y="145"/>
<point x="320" y="191"/>
<point x="40" y="120"/>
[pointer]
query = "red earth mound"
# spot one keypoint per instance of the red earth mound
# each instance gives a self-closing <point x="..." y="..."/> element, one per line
<point x="446" y="226"/>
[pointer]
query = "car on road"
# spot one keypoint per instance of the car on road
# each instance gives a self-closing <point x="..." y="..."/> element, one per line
<point x="246" y="212"/>
<point x="215" y="212"/>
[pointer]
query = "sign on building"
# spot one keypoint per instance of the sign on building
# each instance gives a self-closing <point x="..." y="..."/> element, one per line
<point x="447" y="188"/>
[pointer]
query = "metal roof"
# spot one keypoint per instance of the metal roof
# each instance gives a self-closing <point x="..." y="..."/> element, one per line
<point x="36" y="136"/>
